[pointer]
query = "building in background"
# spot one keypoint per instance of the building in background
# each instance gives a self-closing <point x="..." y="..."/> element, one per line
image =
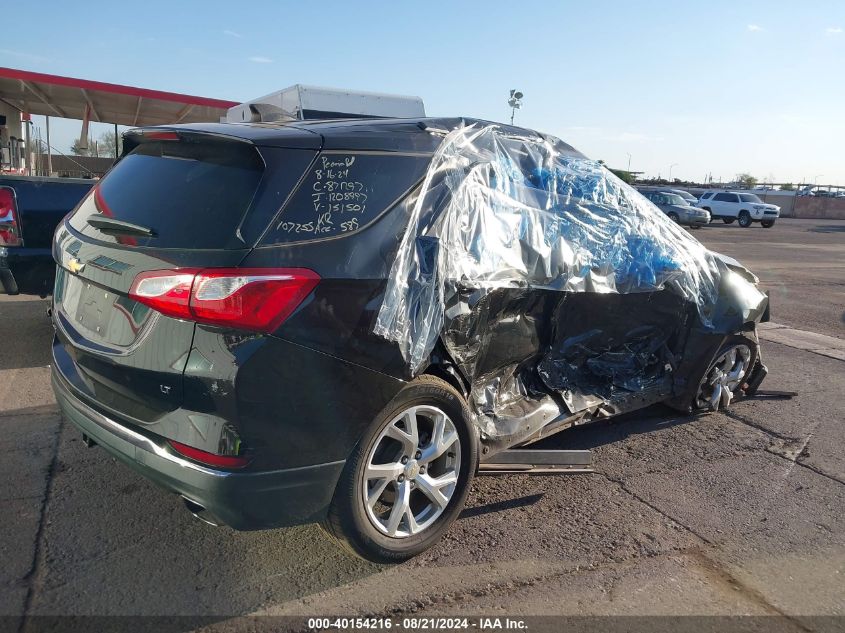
<point x="23" y="93"/>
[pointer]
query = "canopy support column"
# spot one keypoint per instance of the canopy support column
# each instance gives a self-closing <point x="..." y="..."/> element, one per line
<point x="49" y="149"/>
<point x="83" y="136"/>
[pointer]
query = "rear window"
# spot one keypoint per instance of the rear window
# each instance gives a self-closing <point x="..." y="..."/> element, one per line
<point x="749" y="197"/>
<point x="344" y="192"/>
<point x="190" y="194"/>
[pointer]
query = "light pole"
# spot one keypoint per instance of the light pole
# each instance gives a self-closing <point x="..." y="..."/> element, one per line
<point x="629" y="161"/>
<point x="515" y="102"/>
<point x="672" y="166"/>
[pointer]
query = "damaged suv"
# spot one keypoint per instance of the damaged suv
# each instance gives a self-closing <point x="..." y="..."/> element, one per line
<point x="336" y="321"/>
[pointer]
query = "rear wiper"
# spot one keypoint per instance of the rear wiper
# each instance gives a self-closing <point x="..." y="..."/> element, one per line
<point x="113" y="225"/>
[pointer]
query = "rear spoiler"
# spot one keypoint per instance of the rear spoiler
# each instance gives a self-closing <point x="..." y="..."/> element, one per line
<point x="137" y="136"/>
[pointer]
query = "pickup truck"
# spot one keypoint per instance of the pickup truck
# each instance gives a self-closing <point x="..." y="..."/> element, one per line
<point x="31" y="208"/>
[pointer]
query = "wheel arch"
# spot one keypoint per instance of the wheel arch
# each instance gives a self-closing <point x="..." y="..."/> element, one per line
<point x="447" y="372"/>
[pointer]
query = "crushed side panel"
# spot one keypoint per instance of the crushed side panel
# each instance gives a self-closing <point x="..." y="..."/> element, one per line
<point x="557" y="288"/>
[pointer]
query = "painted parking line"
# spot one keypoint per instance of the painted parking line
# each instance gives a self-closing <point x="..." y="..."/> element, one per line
<point x="822" y="344"/>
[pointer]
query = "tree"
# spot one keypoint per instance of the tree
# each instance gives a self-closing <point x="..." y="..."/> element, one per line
<point x="102" y="146"/>
<point x="79" y="151"/>
<point x="106" y="144"/>
<point x="787" y="187"/>
<point x="746" y="180"/>
<point x="624" y="176"/>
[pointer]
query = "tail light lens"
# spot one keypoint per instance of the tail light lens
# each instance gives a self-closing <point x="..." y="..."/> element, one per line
<point x="167" y="291"/>
<point x="10" y="230"/>
<point x="257" y="299"/>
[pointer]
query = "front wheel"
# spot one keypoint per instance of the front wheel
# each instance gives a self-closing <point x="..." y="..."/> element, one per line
<point x="408" y="477"/>
<point x="744" y="219"/>
<point x="725" y="375"/>
<point x="767" y="224"/>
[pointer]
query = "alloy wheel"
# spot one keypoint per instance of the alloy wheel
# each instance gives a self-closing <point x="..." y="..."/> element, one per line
<point x="411" y="472"/>
<point x="723" y="378"/>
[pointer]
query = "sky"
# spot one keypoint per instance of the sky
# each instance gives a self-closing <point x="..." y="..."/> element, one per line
<point x="703" y="87"/>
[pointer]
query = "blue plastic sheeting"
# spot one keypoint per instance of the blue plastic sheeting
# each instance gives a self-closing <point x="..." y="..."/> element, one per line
<point x="503" y="210"/>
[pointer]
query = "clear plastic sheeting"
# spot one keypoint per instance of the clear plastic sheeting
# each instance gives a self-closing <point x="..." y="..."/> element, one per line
<point x="501" y="209"/>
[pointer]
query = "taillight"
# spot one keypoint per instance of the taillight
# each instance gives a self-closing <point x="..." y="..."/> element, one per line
<point x="257" y="299"/>
<point x="10" y="230"/>
<point x="209" y="459"/>
<point x="167" y="291"/>
<point x="252" y="299"/>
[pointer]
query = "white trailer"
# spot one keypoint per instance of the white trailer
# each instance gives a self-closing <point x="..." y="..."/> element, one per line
<point x="301" y="103"/>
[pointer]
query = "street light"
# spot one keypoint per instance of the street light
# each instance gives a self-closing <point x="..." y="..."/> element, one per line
<point x="629" y="162"/>
<point x="673" y="165"/>
<point x="515" y="102"/>
<point x="816" y="178"/>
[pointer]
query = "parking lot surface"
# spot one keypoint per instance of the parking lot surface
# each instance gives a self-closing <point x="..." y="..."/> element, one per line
<point x="800" y="262"/>
<point x="741" y="512"/>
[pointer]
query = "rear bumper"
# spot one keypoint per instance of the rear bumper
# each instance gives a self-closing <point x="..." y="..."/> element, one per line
<point x="242" y="500"/>
<point x="26" y="270"/>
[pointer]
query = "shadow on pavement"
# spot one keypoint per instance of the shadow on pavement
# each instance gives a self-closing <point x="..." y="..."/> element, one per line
<point x="828" y="228"/>
<point x="500" y="506"/>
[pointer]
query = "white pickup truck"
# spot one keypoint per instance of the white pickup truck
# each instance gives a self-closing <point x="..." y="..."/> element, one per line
<point x="739" y="205"/>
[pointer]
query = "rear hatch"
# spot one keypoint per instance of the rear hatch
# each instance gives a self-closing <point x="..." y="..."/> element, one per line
<point x="177" y="201"/>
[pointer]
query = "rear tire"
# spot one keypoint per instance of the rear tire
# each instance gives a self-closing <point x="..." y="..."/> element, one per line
<point x="674" y="217"/>
<point x="364" y="514"/>
<point x="744" y="219"/>
<point x="728" y="220"/>
<point x="767" y="224"/>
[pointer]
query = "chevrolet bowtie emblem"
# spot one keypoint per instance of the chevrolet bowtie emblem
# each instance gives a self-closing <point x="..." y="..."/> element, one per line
<point x="74" y="265"/>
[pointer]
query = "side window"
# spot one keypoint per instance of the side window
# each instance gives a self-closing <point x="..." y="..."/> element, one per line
<point x="724" y="197"/>
<point x="344" y="192"/>
<point x="707" y="196"/>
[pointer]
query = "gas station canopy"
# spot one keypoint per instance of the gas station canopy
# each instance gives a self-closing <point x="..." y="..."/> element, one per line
<point x="70" y="98"/>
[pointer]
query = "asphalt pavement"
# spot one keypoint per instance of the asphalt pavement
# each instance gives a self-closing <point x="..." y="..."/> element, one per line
<point x="732" y="513"/>
<point x="800" y="262"/>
